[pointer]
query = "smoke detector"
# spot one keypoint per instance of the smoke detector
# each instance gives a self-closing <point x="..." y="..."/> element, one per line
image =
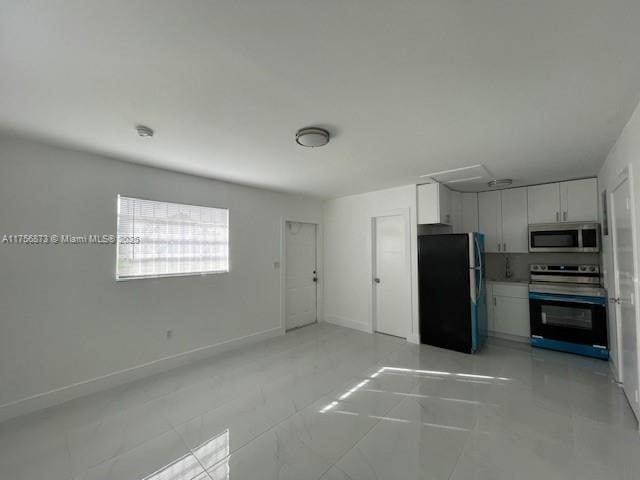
<point x="312" y="137"/>
<point x="144" y="131"/>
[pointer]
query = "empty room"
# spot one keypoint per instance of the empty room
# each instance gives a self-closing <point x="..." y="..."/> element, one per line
<point x="304" y="240"/>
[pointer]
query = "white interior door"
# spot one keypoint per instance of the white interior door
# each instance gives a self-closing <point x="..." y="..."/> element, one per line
<point x="625" y="295"/>
<point x="301" y="274"/>
<point x="392" y="275"/>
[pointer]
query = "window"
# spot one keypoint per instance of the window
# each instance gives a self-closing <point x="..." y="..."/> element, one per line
<point x="159" y="239"/>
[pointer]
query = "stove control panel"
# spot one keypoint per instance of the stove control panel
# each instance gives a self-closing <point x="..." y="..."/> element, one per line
<point x="565" y="269"/>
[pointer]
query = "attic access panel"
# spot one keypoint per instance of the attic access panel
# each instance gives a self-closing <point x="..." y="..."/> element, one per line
<point x="471" y="178"/>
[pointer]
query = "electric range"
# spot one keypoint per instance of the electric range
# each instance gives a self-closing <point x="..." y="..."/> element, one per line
<point x="568" y="309"/>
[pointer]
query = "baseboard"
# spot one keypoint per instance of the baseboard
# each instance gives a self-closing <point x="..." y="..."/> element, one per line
<point x="64" y="394"/>
<point x="413" y="338"/>
<point x="506" y="336"/>
<point x="345" y="322"/>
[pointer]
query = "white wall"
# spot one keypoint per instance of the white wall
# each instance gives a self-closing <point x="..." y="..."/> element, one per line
<point x="625" y="152"/>
<point x="348" y="254"/>
<point x="67" y="328"/>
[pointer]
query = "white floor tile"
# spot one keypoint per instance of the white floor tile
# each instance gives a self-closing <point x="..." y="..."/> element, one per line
<point x="325" y="402"/>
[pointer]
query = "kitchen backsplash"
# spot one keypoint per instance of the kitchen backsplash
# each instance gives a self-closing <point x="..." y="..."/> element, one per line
<point x="519" y="263"/>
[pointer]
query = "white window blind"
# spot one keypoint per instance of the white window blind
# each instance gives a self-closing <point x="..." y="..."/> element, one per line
<point x="157" y="239"/>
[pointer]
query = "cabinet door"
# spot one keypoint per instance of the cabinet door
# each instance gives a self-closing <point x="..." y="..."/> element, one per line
<point x="514" y="220"/>
<point x="511" y="316"/>
<point x="543" y="203"/>
<point x="490" y="220"/>
<point x="428" y="204"/>
<point x="456" y="211"/>
<point x="469" y="221"/>
<point x="490" y="313"/>
<point x="579" y="200"/>
<point x="444" y="195"/>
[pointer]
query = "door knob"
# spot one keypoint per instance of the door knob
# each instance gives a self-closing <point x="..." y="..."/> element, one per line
<point x="377" y="280"/>
<point x="315" y="279"/>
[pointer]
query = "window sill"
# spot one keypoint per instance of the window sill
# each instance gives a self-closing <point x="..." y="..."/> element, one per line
<point x="169" y="275"/>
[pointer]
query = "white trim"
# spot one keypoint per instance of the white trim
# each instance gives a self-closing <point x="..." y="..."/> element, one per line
<point x="626" y="174"/>
<point x="405" y="212"/>
<point x="413" y="338"/>
<point x="283" y="267"/>
<point x="614" y="261"/>
<point x="60" y="395"/>
<point x="348" y="323"/>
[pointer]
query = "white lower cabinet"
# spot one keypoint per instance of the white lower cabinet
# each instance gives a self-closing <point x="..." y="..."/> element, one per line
<point x="508" y="310"/>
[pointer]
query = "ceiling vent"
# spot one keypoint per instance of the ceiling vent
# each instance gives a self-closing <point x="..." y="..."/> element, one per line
<point x="502" y="182"/>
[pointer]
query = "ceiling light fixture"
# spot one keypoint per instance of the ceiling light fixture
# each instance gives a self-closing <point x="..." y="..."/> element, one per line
<point x="503" y="182"/>
<point x="312" y="137"/>
<point x="144" y="131"/>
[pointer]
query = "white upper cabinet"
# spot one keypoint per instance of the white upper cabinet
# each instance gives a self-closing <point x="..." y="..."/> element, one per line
<point x="502" y="217"/>
<point x="456" y="211"/>
<point x="544" y="203"/>
<point x="514" y="220"/>
<point x="490" y="220"/>
<point x="573" y="201"/>
<point x="469" y="212"/>
<point x="434" y="204"/>
<point x="579" y="200"/>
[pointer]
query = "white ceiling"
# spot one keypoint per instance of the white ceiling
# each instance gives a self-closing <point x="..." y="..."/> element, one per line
<point x="535" y="90"/>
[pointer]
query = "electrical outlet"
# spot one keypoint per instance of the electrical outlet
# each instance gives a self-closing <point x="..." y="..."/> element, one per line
<point x="169" y="334"/>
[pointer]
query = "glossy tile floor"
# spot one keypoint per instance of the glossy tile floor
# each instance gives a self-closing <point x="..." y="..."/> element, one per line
<point x="325" y="402"/>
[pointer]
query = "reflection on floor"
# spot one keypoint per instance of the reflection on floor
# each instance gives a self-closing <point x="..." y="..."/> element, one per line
<point x="332" y="403"/>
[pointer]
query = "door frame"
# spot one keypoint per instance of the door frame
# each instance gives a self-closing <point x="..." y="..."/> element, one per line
<point x="626" y="174"/>
<point x="283" y="267"/>
<point x="406" y="215"/>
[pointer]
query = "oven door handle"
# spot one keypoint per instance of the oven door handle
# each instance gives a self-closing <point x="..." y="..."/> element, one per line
<point x="568" y="298"/>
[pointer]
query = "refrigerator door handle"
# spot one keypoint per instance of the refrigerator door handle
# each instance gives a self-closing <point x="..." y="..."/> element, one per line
<point x="479" y="260"/>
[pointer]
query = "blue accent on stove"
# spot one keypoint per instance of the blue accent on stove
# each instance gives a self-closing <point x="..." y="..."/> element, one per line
<point x="588" y="350"/>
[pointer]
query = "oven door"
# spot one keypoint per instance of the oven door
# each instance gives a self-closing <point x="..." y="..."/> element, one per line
<point x="558" y="240"/>
<point x="569" y="318"/>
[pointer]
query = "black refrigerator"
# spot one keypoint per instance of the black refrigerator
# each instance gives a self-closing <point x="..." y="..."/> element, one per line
<point x="452" y="289"/>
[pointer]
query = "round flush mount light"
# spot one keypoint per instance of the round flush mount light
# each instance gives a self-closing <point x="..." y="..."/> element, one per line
<point x="144" y="131"/>
<point x="312" y="137"/>
<point x="503" y="182"/>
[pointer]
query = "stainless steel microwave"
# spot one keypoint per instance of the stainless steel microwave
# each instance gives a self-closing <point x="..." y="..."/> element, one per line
<point x="564" y="237"/>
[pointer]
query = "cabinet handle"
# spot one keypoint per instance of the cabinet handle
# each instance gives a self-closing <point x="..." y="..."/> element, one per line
<point x="498" y="246"/>
<point x="557" y="216"/>
<point x="504" y="247"/>
<point x="564" y="216"/>
<point x="494" y="301"/>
